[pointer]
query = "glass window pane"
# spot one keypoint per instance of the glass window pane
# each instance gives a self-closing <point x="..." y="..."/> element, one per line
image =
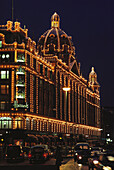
<point x="7" y="55"/>
<point x="2" y="105"/>
<point x="3" y="89"/>
<point x="0" y="44"/>
<point x="3" y="74"/>
<point x="3" y="56"/>
<point x="7" y="89"/>
<point x="7" y="74"/>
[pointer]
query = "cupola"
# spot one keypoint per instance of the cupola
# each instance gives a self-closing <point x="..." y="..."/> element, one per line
<point x="55" y="20"/>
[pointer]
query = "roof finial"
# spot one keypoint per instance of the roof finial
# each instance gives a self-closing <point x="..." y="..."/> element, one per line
<point x="55" y="19"/>
<point x="92" y="69"/>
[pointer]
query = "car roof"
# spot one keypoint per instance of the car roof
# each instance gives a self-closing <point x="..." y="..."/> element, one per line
<point x="38" y="146"/>
<point x="82" y="143"/>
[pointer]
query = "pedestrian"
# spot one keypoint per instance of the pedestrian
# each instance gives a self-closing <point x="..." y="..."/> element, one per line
<point x="58" y="157"/>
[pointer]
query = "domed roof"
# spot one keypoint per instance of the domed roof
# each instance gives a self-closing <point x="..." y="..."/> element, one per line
<point x="55" y="41"/>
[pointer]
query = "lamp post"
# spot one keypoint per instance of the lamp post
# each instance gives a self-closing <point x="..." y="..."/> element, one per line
<point x="66" y="89"/>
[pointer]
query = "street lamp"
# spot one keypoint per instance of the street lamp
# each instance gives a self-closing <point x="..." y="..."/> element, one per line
<point x="66" y="89"/>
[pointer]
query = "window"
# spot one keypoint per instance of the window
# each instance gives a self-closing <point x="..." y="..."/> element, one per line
<point x="4" y="89"/>
<point x="46" y="71"/>
<point x="4" y="74"/>
<point x="5" y="56"/>
<point x="41" y="69"/>
<point x="51" y="74"/>
<point x="20" y="57"/>
<point x="2" y="105"/>
<point x="0" y="44"/>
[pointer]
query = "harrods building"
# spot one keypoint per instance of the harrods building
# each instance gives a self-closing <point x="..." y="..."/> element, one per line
<point x="42" y="90"/>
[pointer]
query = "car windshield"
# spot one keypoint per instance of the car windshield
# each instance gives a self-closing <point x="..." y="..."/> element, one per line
<point x="37" y="149"/>
<point x="82" y="147"/>
<point x="12" y="149"/>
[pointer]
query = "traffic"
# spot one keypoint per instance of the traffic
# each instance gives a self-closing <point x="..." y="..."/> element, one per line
<point x="84" y="155"/>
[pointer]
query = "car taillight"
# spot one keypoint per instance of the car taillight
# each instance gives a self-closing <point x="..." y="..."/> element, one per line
<point x="21" y="154"/>
<point x="29" y="155"/>
<point x="45" y="155"/>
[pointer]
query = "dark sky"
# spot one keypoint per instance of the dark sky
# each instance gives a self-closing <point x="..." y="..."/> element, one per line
<point x="89" y="22"/>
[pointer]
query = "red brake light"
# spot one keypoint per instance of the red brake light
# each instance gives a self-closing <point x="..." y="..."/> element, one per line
<point x="45" y="155"/>
<point x="29" y="155"/>
<point x="21" y="154"/>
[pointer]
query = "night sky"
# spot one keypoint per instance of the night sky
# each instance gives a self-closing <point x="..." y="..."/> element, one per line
<point x="89" y="22"/>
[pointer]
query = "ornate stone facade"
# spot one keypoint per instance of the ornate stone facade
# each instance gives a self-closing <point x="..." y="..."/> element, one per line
<point x="32" y="80"/>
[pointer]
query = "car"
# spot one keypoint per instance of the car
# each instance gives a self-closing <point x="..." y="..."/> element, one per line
<point x="93" y="162"/>
<point x="107" y="160"/>
<point x="14" y="153"/>
<point x="97" y="150"/>
<point x="103" y="161"/>
<point x="38" y="153"/>
<point x="47" y="149"/>
<point x="82" y="153"/>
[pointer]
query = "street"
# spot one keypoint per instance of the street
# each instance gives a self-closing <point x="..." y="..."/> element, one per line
<point x="67" y="164"/>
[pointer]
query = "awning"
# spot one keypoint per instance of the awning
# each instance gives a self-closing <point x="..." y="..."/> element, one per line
<point x="31" y="138"/>
<point x="40" y="138"/>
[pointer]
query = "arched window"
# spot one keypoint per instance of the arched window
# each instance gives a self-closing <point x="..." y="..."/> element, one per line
<point x="5" y="123"/>
<point x="34" y="123"/>
<point x="18" y="123"/>
<point x="27" y="123"/>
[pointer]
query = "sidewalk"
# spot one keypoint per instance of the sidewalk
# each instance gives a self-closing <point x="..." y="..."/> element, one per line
<point x="69" y="165"/>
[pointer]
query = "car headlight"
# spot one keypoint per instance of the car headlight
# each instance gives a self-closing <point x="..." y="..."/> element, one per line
<point x="95" y="162"/>
<point x="80" y="157"/>
<point x="107" y="168"/>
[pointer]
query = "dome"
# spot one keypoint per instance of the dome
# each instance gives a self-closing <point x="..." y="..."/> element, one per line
<point x="56" y="42"/>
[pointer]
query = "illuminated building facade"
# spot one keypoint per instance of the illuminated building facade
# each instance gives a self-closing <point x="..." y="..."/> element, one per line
<point x="32" y="79"/>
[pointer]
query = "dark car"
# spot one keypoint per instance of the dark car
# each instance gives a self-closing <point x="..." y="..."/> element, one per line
<point x="38" y="154"/>
<point x="14" y="153"/>
<point x="81" y="153"/>
<point x="103" y="161"/>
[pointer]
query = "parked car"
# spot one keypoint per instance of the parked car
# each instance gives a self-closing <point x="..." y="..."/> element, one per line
<point x="82" y="153"/>
<point x="14" y="153"/>
<point x="38" y="153"/>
